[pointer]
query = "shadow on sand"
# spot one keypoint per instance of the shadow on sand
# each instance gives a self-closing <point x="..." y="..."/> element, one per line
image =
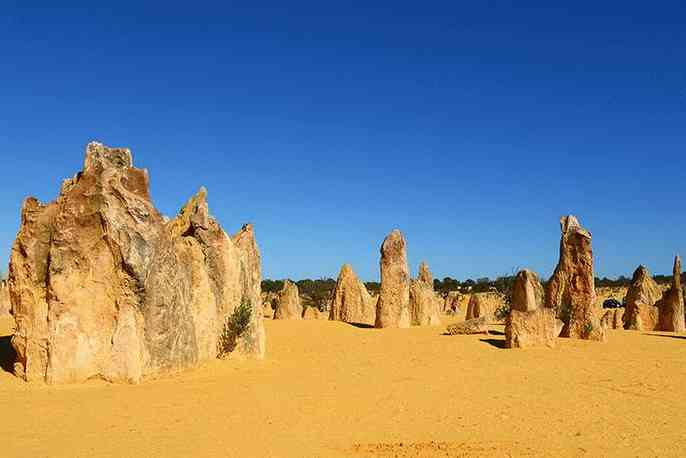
<point x="669" y="336"/>
<point x="497" y="343"/>
<point x="7" y="354"/>
<point x="362" y="325"/>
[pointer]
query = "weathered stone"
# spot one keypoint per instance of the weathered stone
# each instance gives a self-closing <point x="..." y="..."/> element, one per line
<point x="424" y="305"/>
<point x="393" y="306"/>
<point x="288" y="306"/>
<point x="641" y="314"/>
<point x="313" y="313"/>
<point x="571" y="290"/>
<point x="473" y="326"/>
<point x="102" y="286"/>
<point x="528" y="324"/>
<point x="269" y="304"/>
<point x="613" y="318"/>
<point x="531" y="328"/>
<point x="671" y="306"/>
<point x="424" y="275"/>
<point x="4" y="298"/>
<point x="254" y="341"/>
<point x="351" y="301"/>
<point x="481" y="304"/>
<point x="527" y="292"/>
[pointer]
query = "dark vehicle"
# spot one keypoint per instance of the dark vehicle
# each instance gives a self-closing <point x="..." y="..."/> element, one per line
<point x="612" y="303"/>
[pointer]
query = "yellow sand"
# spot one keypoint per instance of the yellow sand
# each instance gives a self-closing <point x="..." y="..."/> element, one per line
<point x="330" y="389"/>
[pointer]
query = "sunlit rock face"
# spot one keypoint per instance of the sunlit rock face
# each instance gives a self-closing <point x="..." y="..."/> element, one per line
<point x="571" y="290"/>
<point x="393" y="306"/>
<point x="103" y="286"/>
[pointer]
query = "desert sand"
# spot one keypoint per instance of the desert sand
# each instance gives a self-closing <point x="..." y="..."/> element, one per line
<point x="332" y="389"/>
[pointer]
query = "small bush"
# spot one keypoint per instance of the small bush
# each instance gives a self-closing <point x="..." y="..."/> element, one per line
<point x="502" y="312"/>
<point x="234" y="327"/>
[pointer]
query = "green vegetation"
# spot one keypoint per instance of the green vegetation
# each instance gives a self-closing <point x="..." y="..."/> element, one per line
<point x="234" y="327"/>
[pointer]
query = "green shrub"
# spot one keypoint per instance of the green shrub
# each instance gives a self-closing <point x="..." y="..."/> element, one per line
<point x="234" y="327"/>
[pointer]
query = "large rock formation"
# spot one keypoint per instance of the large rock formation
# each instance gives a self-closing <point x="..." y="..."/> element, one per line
<point x="671" y="306"/>
<point x="528" y="324"/>
<point x="289" y="306"/>
<point x="641" y="314"/>
<point x="103" y="286"/>
<point x="424" y="305"/>
<point x="393" y="306"/>
<point x="484" y="304"/>
<point x="4" y="298"/>
<point x="351" y="301"/>
<point x="571" y="290"/>
<point x="251" y="289"/>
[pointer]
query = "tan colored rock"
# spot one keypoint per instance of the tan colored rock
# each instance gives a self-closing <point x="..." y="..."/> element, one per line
<point x="4" y="298"/>
<point x="484" y="304"/>
<point x="393" y="306"/>
<point x="269" y="304"/>
<point x="533" y="328"/>
<point x="473" y="326"/>
<point x="255" y="340"/>
<point x="528" y="324"/>
<point x="289" y="306"/>
<point x="613" y="318"/>
<point x="424" y="275"/>
<point x="103" y="286"/>
<point x="641" y="314"/>
<point x="424" y="305"/>
<point x="351" y="301"/>
<point x="313" y="313"/>
<point x="571" y="290"/>
<point x="671" y="306"/>
<point x="527" y="292"/>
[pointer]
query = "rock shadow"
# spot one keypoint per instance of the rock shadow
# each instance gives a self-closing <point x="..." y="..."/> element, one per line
<point x="362" y="325"/>
<point x="7" y="354"/>
<point x="669" y="336"/>
<point x="497" y="343"/>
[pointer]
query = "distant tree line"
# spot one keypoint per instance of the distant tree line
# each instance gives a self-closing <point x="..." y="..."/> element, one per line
<point x="317" y="293"/>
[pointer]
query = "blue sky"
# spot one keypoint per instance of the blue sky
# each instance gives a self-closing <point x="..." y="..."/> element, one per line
<point x="472" y="128"/>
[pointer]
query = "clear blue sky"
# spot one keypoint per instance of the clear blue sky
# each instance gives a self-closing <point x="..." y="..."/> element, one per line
<point x="471" y="126"/>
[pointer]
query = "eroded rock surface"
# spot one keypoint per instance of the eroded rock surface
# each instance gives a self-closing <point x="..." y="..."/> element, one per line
<point x="613" y="318"/>
<point x="484" y="304"/>
<point x="351" y="301"/>
<point x="571" y="290"/>
<point x="393" y="306"/>
<point x="671" y="306"/>
<point x="424" y="305"/>
<point x="528" y="324"/>
<point x="473" y="326"/>
<point x="641" y="314"/>
<point x="4" y="298"/>
<point x="288" y="306"/>
<point x="103" y="286"/>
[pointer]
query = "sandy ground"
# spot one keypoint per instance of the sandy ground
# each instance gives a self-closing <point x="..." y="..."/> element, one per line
<point x="331" y="389"/>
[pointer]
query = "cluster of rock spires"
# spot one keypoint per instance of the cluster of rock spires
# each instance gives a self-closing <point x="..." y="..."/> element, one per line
<point x="103" y="286"/>
<point x="402" y="301"/>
